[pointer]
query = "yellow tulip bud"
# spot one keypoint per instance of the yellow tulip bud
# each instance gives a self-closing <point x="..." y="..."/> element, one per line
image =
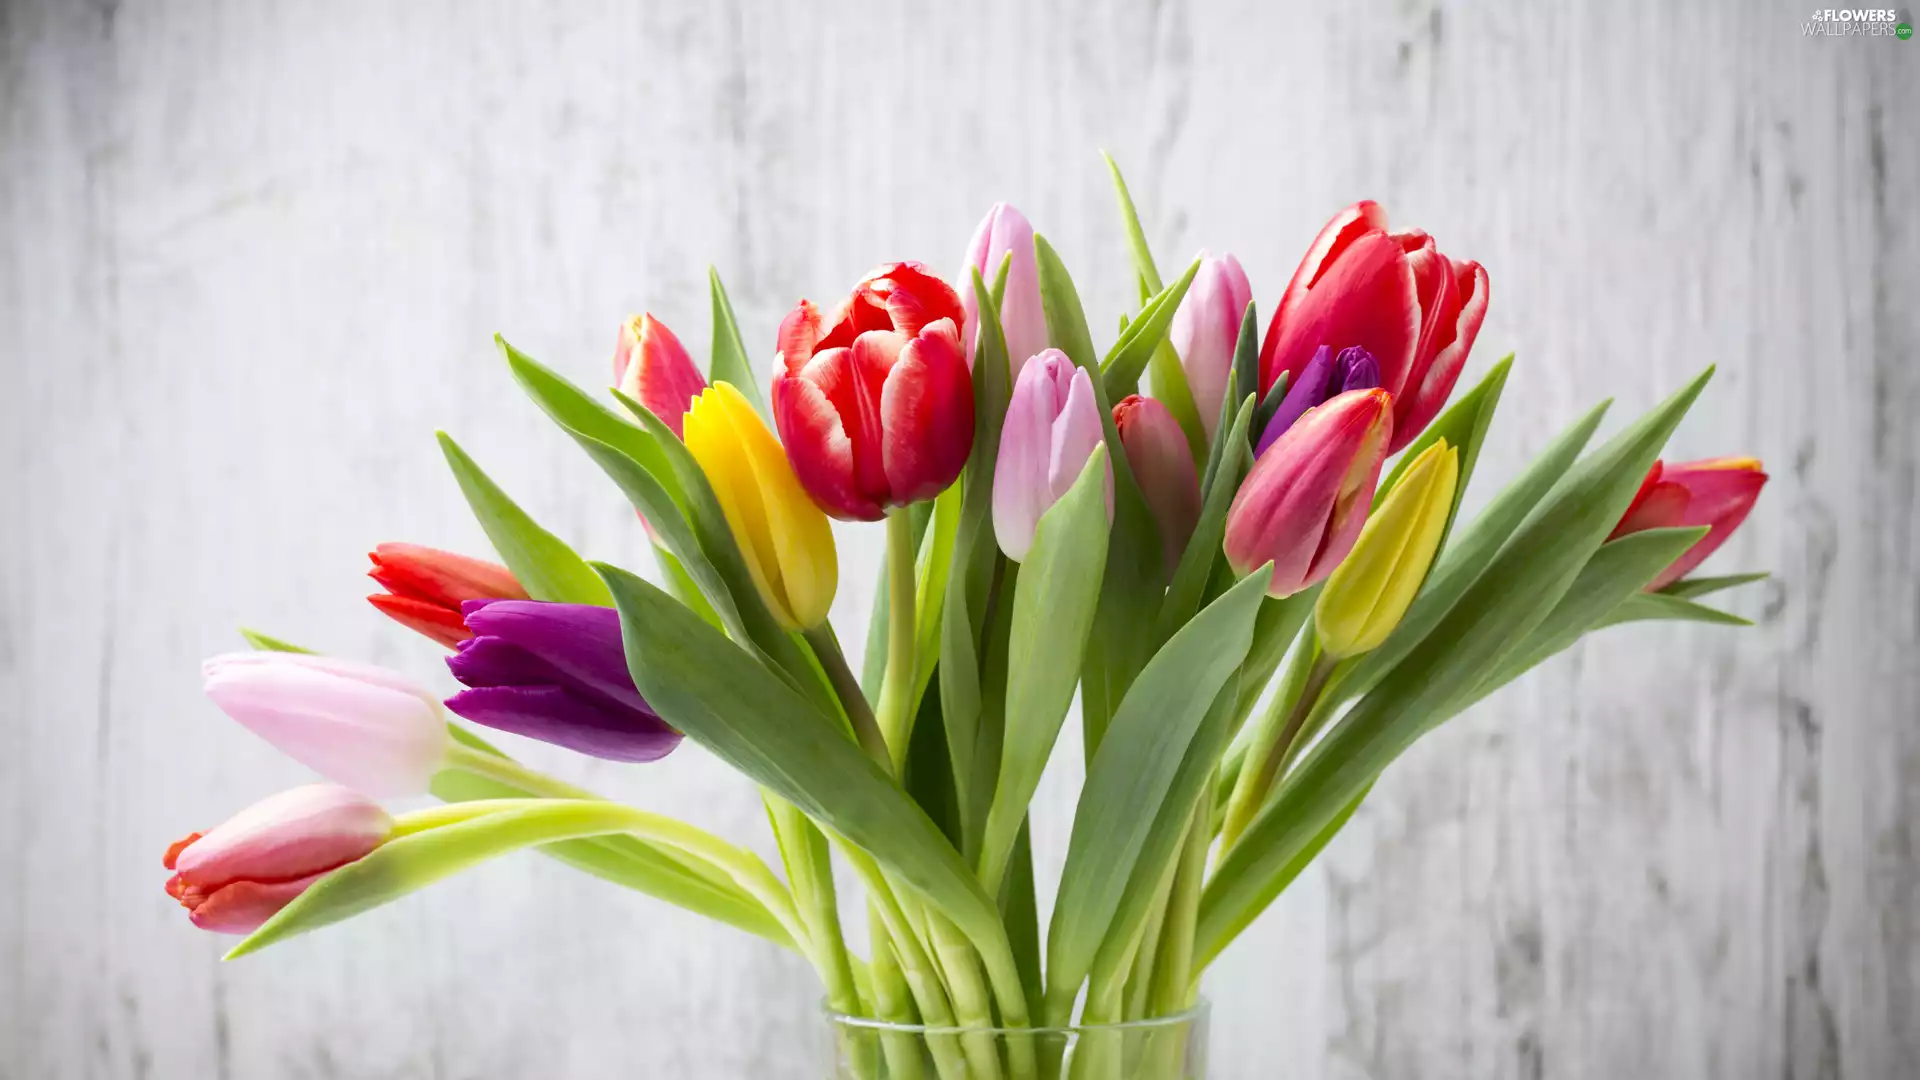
<point x="784" y="537"/>
<point x="1369" y="593"/>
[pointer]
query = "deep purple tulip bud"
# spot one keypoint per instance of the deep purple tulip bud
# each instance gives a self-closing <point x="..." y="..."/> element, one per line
<point x="1325" y="376"/>
<point x="557" y="673"/>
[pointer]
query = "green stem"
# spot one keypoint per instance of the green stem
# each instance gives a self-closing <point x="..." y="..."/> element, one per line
<point x="896" y="689"/>
<point x="810" y="875"/>
<point x="505" y="770"/>
<point x="1293" y="700"/>
<point x="846" y="685"/>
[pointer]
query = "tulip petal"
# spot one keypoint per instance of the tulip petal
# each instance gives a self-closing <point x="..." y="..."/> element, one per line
<point x="373" y="738"/>
<point x="926" y="414"/>
<point x="1206" y="329"/>
<point x="441" y="624"/>
<point x="579" y="723"/>
<point x="1021" y="486"/>
<point x="579" y="641"/>
<point x="1426" y="393"/>
<point x="240" y="908"/>
<point x="1309" y="390"/>
<point x="657" y="371"/>
<point x="440" y="577"/>
<point x="293" y="834"/>
<point x="1366" y="297"/>
<point x="798" y="537"/>
<point x="811" y="406"/>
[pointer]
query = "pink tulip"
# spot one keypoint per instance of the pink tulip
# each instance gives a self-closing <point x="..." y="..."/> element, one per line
<point x="1717" y="493"/>
<point x="653" y="368"/>
<point x="1052" y="426"/>
<point x="1302" y="506"/>
<point x="1162" y="462"/>
<point x="236" y="877"/>
<point x="1393" y="294"/>
<point x="1004" y="230"/>
<point x="366" y="727"/>
<point x="1206" y="329"/>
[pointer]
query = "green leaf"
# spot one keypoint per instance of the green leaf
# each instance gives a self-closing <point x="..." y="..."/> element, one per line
<point x="1618" y="571"/>
<point x="1130" y="592"/>
<point x="1053" y="606"/>
<point x="683" y="587"/>
<point x="1136" y="236"/>
<point x="1645" y="607"/>
<point x="473" y="834"/>
<point x="632" y="862"/>
<point x="1128" y="358"/>
<point x="1060" y="303"/>
<point x="730" y="361"/>
<point x="1246" y="372"/>
<point x="547" y="568"/>
<point x="723" y="698"/>
<point x="1187" y="592"/>
<point x="1517" y="590"/>
<point x="1464" y="426"/>
<point x="1131" y="776"/>
<point x="973" y="748"/>
<point x="269" y="643"/>
<point x="1695" y="587"/>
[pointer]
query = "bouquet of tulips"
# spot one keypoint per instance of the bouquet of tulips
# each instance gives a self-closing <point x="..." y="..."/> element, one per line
<point x="1254" y="619"/>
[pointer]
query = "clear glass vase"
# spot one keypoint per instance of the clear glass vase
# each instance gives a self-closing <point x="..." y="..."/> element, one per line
<point x="1166" y="1048"/>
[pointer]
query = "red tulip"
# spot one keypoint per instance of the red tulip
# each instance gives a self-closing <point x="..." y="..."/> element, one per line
<point x="1393" y="294"/>
<point x="875" y="404"/>
<point x="653" y="368"/>
<point x="1716" y="493"/>
<point x="425" y="588"/>
<point x="1302" y="506"/>
<point x="237" y="876"/>
<point x="1162" y="462"/>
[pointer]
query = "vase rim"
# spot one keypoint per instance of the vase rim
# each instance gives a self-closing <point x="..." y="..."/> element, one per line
<point x="1197" y="1011"/>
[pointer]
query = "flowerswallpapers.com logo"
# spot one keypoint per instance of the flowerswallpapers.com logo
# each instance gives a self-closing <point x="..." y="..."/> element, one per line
<point x="1857" y="22"/>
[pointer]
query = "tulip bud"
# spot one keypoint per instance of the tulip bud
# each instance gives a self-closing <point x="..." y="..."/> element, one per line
<point x="1415" y="310"/>
<point x="355" y="724"/>
<point x="1716" y="493"/>
<point x="557" y="673"/>
<point x="1206" y="329"/>
<point x="425" y="588"/>
<point x="1052" y="426"/>
<point x="653" y="368"/>
<point x="1163" y="464"/>
<point x="1305" y="500"/>
<point x="876" y="417"/>
<point x="783" y="536"/>
<point x="1367" y="595"/>
<point x="237" y="876"/>
<point x="1325" y="376"/>
<point x="1005" y="231"/>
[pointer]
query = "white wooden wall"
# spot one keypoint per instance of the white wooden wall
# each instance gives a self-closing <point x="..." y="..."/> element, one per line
<point x="254" y="254"/>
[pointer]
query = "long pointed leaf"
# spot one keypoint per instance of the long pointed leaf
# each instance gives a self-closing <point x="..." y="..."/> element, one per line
<point x="547" y="568"/>
<point x="730" y="361"/>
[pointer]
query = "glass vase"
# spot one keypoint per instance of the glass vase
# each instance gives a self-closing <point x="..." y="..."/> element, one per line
<point x="1165" y="1048"/>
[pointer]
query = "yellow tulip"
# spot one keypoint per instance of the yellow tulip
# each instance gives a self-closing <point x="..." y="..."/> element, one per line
<point x="784" y="537"/>
<point x="1369" y="593"/>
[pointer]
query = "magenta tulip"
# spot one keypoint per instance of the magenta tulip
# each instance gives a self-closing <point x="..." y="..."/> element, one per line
<point x="1302" y="505"/>
<point x="1717" y="493"/>
<point x="653" y="368"/>
<point x="1394" y="295"/>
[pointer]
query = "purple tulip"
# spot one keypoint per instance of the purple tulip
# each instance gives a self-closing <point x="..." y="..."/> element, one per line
<point x="1325" y="376"/>
<point x="557" y="673"/>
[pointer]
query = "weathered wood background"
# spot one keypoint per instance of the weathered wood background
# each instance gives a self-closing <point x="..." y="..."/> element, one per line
<point x="254" y="254"/>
